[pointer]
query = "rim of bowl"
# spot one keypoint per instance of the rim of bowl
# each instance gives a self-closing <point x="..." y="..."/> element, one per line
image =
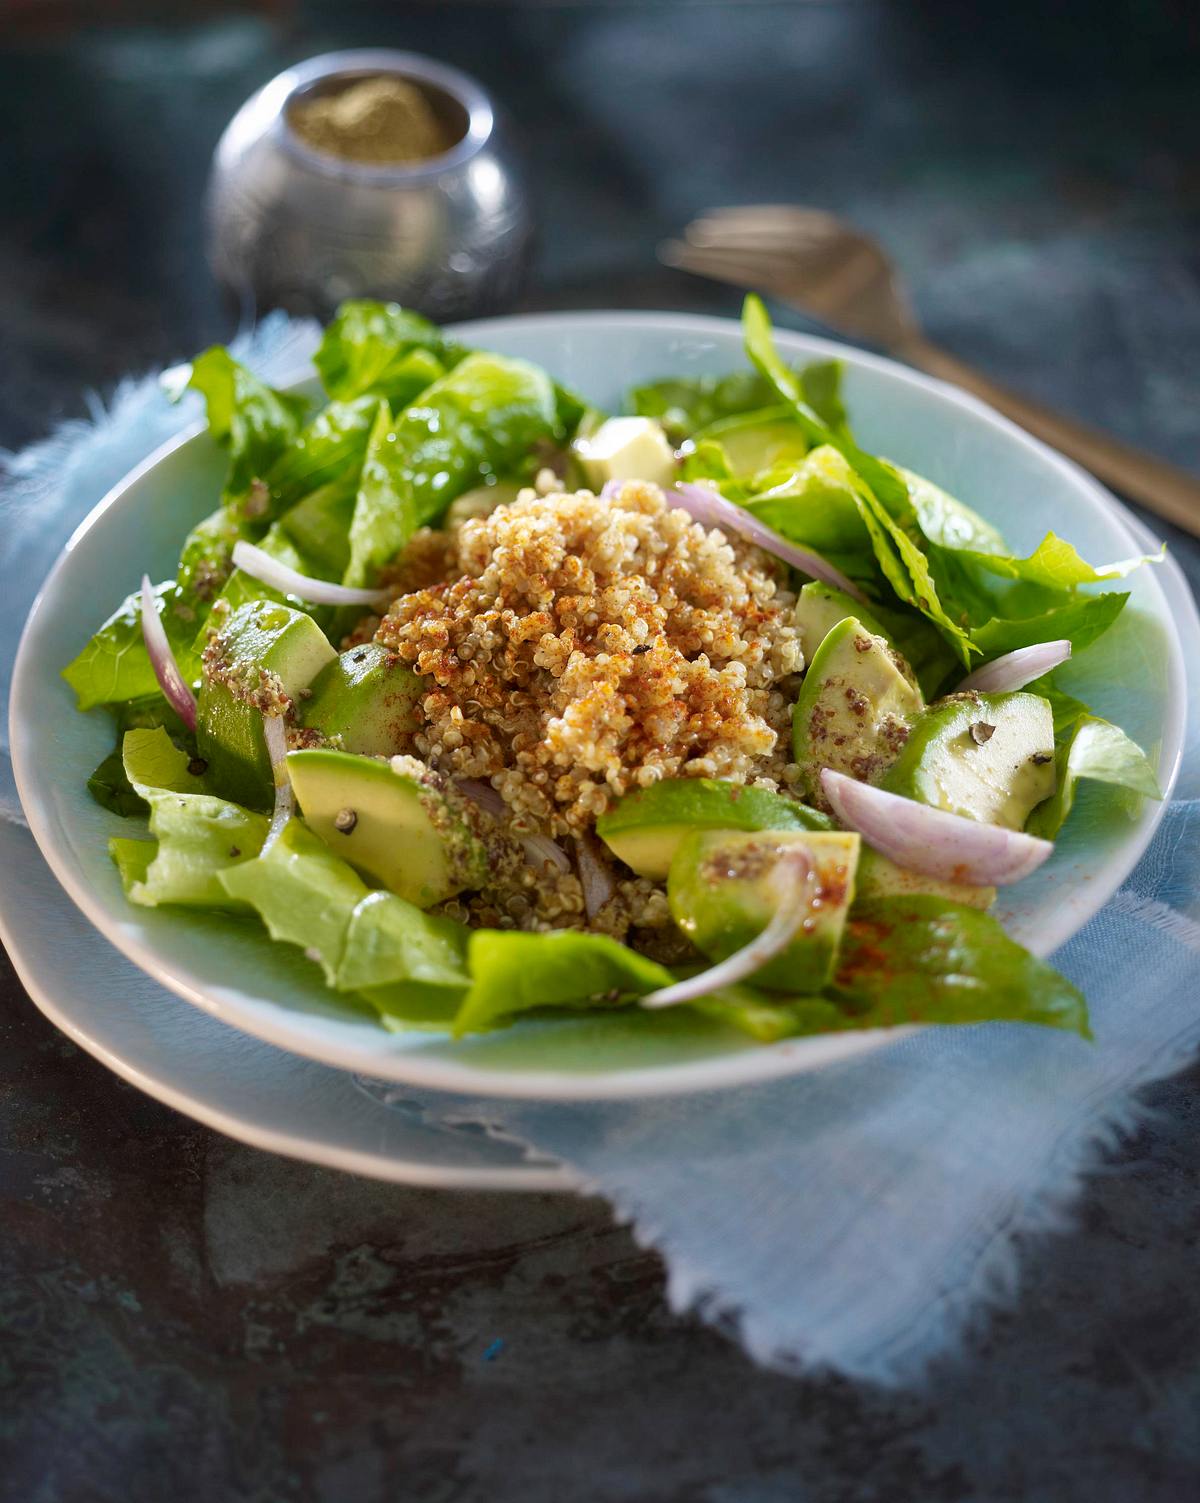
<point x="724" y="1071"/>
<point x="268" y="111"/>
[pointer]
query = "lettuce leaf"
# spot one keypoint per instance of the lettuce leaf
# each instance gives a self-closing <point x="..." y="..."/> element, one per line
<point x="1080" y="621"/>
<point x="199" y="836"/>
<point x="247" y="417"/>
<point x="470" y="426"/>
<point x="380" y="348"/>
<point x="926" y="960"/>
<point x="685" y="405"/>
<point x="1054" y="563"/>
<point x="1090" y="747"/>
<point x="303" y="893"/>
<point x="132" y="858"/>
<point x="109" y="785"/>
<point x="512" y="972"/>
<point x="327" y="451"/>
<point x="115" y="666"/>
<point x="388" y="939"/>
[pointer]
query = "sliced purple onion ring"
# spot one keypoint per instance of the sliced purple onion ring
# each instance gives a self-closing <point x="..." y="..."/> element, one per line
<point x="931" y="841"/>
<point x="275" y="735"/>
<point x="482" y="794"/>
<point x="166" y="670"/>
<point x="792" y="911"/>
<point x="611" y="489"/>
<point x="708" y="508"/>
<point x="1018" y="668"/>
<point x="540" y="848"/>
<point x="270" y="571"/>
<point x="594" y="875"/>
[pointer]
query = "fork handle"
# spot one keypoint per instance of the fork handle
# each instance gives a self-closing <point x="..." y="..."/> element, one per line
<point x="1162" y="488"/>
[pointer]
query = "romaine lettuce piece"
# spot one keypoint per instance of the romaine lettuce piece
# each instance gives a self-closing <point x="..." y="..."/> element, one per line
<point x="512" y="972"/>
<point x="199" y="835"/>
<point x="111" y="788"/>
<point x="327" y="451"/>
<point x="115" y="666"/>
<point x="1080" y="621"/>
<point x="686" y="405"/>
<point x="472" y="425"/>
<point x="380" y="348"/>
<point x="925" y="960"/>
<point x="247" y="417"/>
<point x="388" y="939"/>
<point x="1056" y="564"/>
<point x="207" y="558"/>
<point x="303" y="893"/>
<point x="1089" y="747"/>
<point x="132" y="858"/>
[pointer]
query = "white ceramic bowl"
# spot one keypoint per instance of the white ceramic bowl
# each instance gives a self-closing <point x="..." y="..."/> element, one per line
<point x="1135" y="677"/>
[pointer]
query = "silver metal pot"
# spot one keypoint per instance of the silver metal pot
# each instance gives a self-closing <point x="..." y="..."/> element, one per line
<point x="292" y="227"/>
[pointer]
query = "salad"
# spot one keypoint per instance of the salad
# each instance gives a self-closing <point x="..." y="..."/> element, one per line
<point x="487" y="701"/>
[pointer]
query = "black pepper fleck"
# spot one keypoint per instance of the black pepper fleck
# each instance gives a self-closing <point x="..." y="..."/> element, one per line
<point x="197" y="767"/>
<point x="982" y="732"/>
<point x="344" y="821"/>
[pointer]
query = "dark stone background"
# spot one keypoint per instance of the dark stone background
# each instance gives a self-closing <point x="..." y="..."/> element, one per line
<point x="183" y="1318"/>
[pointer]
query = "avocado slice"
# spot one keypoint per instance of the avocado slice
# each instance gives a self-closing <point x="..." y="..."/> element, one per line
<point x="877" y="877"/>
<point x="723" y="890"/>
<point x="987" y="756"/>
<point x="364" y="701"/>
<point x="820" y="607"/>
<point x="262" y="658"/>
<point x="392" y="820"/>
<point x="646" y="828"/>
<point x="854" y="707"/>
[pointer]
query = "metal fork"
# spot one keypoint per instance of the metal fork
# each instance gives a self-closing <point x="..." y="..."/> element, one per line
<point x="840" y="276"/>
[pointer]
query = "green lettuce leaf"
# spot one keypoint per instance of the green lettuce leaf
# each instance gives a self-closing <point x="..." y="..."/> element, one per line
<point x="111" y="788"/>
<point x="379" y="348"/>
<point x="303" y="893"/>
<point x="388" y="939"/>
<point x="512" y="972"/>
<point x="470" y="426"/>
<point x="199" y="836"/>
<point x="1080" y="621"/>
<point x="1089" y="747"/>
<point x="685" y="405"/>
<point x="1054" y="563"/>
<point x="926" y="960"/>
<point x="206" y="561"/>
<point x="947" y="522"/>
<point x="132" y="858"/>
<point x="115" y="666"/>
<point x="329" y="451"/>
<point x="247" y="417"/>
<point x="882" y="479"/>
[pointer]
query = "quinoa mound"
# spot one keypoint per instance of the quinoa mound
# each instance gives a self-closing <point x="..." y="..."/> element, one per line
<point x="577" y="647"/>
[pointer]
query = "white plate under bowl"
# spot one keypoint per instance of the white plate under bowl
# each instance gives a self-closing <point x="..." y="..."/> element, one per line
<point x="234" y="973"/>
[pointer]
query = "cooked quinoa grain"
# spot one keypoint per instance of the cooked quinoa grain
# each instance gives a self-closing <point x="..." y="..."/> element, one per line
<point x="576" y="648"/>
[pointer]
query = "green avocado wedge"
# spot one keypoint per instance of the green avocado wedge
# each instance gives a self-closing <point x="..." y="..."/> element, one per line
<point x="877" y="877"/>
<point x="989" y="757"/>
<point x="725" y="887"/>
<point x="392" y="820"/>
<point x="646" y="828"/>
<point x="264" y="652"/>
<point x="820" y="607"/>
<point x="364" y="701"/>
<point x="854" y="707"/>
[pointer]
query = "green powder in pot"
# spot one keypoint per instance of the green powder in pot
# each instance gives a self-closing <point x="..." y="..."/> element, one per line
<point x="383" y="120"/>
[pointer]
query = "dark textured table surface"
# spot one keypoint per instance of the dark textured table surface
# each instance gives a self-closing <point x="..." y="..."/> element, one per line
<point x="184" y="1318"/>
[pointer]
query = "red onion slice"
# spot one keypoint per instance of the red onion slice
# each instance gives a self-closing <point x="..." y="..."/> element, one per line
<point x="166" y="670"/>
<point x="540" y="849"/>
<point x="931" y="841"/>
<point x="708" y="508"/>
<point x="594" y="875"/>
<point x="275" y="735"/>
<point x="269" y="571"/>
<point x="1016" y="669"/>
<point x="779" y="933"/>
<point x="482" y="794"/>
